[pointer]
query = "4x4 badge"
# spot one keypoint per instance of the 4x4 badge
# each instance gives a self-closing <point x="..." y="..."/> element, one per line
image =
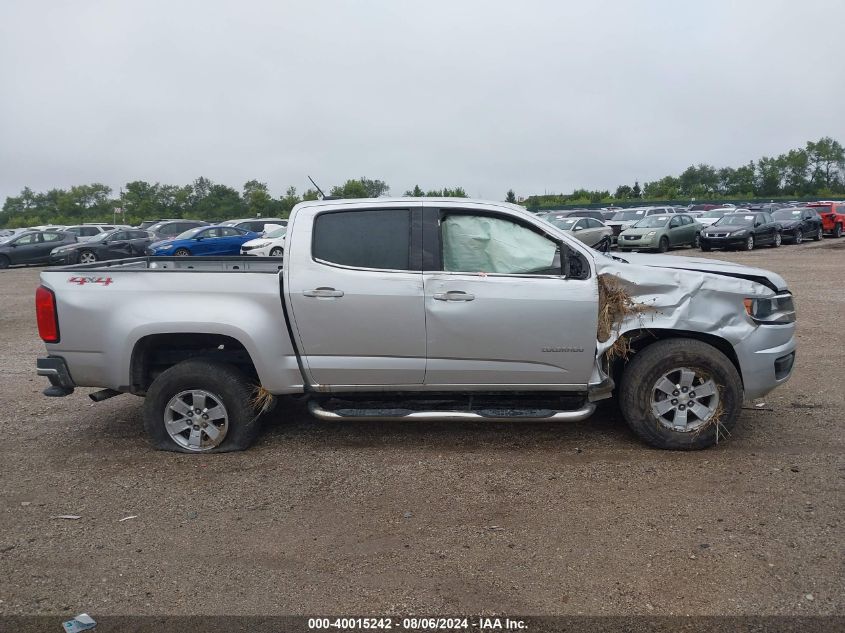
<point x="90" y="280"/>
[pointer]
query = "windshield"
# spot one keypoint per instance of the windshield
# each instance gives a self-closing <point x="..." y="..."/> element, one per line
<point x="7" y="238"/>
<point x="277" y="233"/>
<point x="564" y="223"/>
<point x="787" y="214"/>
<point x="190" y="233"/>
<point x="713" y="214"/>
<point x="735" y="219"/>
<point x="653" y="222"/>
<point x="99" y="237"/>
<point x="629" y="215"/>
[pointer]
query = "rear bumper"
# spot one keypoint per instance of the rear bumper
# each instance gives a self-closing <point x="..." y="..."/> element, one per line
<point x="55" y="370"/>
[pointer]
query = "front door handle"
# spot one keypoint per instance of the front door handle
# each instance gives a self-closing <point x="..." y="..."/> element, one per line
<point x="323" y="292"/>
<point x="454" y="295"/>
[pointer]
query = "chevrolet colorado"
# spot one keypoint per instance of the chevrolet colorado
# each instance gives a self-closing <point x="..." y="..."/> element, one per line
<point x="419" y="309"/>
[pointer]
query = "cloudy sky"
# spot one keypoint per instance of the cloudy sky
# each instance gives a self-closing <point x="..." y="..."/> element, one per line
<point x="536" y="95"/>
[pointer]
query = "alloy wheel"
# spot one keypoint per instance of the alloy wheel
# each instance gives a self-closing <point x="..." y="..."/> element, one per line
<point x="684" y="399"/>
<point x="196" y="420"/>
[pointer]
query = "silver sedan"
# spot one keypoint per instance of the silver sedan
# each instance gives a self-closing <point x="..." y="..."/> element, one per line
<point x="592" y="232"/>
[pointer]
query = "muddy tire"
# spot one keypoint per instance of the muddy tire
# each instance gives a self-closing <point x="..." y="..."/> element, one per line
<point x="659" y="401"/>
<point x="199" y="406"/>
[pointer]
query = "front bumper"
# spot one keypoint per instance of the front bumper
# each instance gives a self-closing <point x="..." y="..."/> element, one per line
<point x="56" y="371"/>
<point x="639" y="242"/>
<point x="722" y="242"/>
<point x="766" y="358"/>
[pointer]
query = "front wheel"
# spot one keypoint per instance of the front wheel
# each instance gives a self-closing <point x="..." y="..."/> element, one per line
<point x="276" y="252"/>
<point x="199" y="406"/>
<point x="182" y="252"/>
<point x="706" y="248"/>
<point x="799" y="236"/>
<point x="819" y="234"/>
<point x="663" y="246"/>
<point x="749" y="243"/>
<point x="87" y="257"/>
<point x="681" y="394"/>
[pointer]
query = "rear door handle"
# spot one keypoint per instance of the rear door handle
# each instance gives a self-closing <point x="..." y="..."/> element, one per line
<point x="323" y="292"/>
<point x="454" y="295"/>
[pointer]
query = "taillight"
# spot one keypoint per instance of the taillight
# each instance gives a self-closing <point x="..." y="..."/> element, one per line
<point x="45" y="312"/>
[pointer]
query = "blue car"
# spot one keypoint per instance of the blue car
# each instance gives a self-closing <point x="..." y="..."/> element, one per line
<point x="204" y="240"/>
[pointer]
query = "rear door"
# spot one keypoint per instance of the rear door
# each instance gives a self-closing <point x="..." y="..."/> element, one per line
<point x="500" y="310"/>
<point x="355" y="290"/>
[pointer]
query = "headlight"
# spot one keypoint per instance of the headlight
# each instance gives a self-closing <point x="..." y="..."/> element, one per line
<point x="261" y="244"/>
<point x="740" y="233"/>
<point x="651" y="234"/>
<point x="771" y="310"/>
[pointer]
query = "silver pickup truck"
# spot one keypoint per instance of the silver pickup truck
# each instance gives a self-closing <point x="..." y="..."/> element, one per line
<point x="419" y="309"/>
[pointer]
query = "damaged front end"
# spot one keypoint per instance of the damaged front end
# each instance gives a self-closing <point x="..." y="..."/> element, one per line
<point x="746" y="313"/>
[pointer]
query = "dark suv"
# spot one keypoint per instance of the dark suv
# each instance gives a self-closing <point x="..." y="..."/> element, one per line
<point x="32" y="247"/>
<point x="171" y="228"/>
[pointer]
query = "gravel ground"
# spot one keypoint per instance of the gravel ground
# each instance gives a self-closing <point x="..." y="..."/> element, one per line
<point x="369" y="518"/>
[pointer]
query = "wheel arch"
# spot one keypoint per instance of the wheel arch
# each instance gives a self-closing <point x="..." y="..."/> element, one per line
<point x="640" y="338"/>
<point x="154" y="353"/>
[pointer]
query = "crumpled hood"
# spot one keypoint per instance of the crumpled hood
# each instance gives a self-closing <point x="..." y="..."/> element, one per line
<point x="700" y="264"/>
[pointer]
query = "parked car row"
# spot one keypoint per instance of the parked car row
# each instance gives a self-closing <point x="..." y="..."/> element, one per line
<point x="87" y="243"/>
<point x="661" y="228"/>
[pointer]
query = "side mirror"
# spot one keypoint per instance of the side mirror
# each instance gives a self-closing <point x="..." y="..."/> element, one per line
<point x="578" y="228"/>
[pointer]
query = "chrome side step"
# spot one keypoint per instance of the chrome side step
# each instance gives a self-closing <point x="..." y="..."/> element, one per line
<point x="489" y="415"/>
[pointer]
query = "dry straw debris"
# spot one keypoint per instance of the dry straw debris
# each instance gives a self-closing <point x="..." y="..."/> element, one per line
<point x="262" y="400"/>
<point x="616" y="305"/>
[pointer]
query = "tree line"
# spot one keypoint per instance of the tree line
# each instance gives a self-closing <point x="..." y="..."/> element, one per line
<point x="817" y="169"/>
<point x="202" y="199"/>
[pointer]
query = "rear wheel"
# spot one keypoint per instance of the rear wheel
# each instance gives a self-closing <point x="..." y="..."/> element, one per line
<point x="182" y="252"/>
<point x="276" y="252"/>
<point x="87" y="257"/>
<point x="199" y="406"/>
<point x="663" y="246"/>
<point x="4" y="262"/>
<point x="696" y="242"/>
<point x="681" y="394"/>
<point x="777" y="241"/>
<point x="837" y="230"/>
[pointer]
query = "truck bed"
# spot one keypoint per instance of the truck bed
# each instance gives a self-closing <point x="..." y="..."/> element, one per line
<point x="182" y="264"/>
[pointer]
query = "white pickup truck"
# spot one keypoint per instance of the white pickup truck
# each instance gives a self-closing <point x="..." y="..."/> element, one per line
<point x="419" y="309"/>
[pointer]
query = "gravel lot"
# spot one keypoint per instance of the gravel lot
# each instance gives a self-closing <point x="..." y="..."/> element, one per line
<point x="370" y="518"/>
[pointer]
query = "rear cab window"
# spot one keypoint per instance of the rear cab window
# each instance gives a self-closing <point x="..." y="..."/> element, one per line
<point x="372" y="238"/>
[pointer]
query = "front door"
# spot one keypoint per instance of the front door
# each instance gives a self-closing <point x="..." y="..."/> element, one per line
<point x="354" y="285"/>
<point x="500" y="312"/>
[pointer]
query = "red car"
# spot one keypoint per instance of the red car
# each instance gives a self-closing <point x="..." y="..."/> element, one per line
<point x="832" y="215"/>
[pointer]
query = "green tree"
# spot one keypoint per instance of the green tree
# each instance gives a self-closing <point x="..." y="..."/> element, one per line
<point x="623" y="192"/>
<point x="510" y="197"/>
<point x="257" y="199"/>
<point x="416" y="192"/>
<point x="350" y="189"/>
<point x="796" y="168"/>
<point x="636" y="192"/>
<point x="769" y="176"/>
<point x="826" y="159"/>
<point x="288" y="201"/>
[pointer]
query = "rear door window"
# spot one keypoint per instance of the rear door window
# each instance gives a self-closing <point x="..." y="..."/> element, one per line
<point x="377" y="238"/>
